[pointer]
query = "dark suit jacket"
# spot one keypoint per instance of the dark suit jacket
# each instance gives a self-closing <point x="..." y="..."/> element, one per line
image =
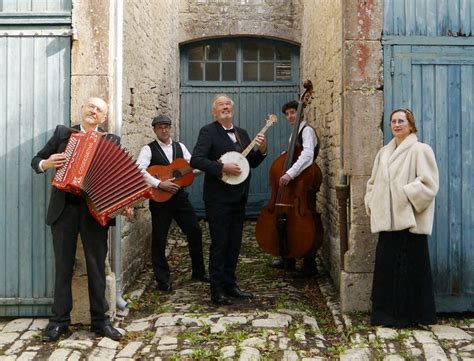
<point x="56" y="144"/>
<point x="213" y="141"/>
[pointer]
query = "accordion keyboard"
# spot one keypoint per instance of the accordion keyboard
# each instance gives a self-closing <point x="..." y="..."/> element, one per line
<point x="68" y="152"/>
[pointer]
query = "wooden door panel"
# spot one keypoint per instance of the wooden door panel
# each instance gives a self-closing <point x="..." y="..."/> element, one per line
<point x="436" y="82"/>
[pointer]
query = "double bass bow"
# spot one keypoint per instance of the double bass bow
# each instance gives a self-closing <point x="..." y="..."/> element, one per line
<point x="289" y="225"/>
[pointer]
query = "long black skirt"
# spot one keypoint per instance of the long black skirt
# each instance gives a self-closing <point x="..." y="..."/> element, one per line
<point x="402" y="292"/>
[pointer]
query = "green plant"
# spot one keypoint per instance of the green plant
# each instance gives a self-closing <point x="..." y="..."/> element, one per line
<point x="205" y="354"/>
<point x="336" y="350"/>
<point x="445" y="344"/>
<point x="403" y="334"/>
<point x="359" y="316"/>
<point x="377" y="346"/>
<point x="148" y="335"/>
<point x="132" y="303"/>
<point x="36" y="336"/>
<point x="196" y="308"/>
<point x="279" y="284"/>
<point x="175" y="357"/>
<point x="166" y="308"/>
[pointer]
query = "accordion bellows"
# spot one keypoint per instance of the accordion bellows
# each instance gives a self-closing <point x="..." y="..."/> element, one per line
<point x="102" y="172"/>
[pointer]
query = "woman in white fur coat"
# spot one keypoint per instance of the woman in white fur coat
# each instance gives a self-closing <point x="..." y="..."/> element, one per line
<point x="400" y="202"/>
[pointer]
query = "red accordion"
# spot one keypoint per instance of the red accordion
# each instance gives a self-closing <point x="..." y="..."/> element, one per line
<point x="98" y="169"/>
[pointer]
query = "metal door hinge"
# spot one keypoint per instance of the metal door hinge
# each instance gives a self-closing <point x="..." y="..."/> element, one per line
<point x="392" y="66"/>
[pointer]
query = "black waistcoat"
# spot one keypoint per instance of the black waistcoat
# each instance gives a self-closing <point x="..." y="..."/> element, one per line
<point x="158" y="156"/>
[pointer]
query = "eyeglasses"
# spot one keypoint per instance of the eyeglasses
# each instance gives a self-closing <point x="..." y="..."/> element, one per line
<point x="93" y="107"/>
<point x="398" y="121"/>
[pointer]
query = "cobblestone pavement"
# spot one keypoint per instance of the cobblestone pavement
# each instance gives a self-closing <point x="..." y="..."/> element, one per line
<point x="290" y="319"/>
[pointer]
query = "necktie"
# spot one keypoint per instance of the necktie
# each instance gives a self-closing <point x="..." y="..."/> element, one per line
<point x="232" y="130"/>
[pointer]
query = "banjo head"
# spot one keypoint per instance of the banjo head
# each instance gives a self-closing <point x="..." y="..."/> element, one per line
<point x="235" y="157"/>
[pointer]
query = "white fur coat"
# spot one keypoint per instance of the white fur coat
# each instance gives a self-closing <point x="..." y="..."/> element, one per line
<point x="401" y="191"/>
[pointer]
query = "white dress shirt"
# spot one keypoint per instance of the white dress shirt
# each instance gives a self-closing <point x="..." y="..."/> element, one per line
<point x="144" y="159"/>
<point x="231" y="134"/>
<point x="306" y="156"/>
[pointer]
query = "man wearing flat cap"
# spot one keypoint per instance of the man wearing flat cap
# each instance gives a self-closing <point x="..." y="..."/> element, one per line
<point x="163" y="151"/>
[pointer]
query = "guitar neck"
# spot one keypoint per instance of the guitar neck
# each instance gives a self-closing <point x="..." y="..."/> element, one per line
<point x="188" y="169"/>
<point x="253" y="142"/>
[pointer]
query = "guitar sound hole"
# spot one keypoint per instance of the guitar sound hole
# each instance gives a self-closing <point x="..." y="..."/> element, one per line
<point x="176" y="174"/>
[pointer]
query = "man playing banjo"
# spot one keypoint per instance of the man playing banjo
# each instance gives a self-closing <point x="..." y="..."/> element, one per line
<point x="225" y="202"/>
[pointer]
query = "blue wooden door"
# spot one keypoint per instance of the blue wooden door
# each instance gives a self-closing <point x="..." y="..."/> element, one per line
<point x="260" y="76"/>
<point x="34" y="98"/>
<point x="437" y="83"/>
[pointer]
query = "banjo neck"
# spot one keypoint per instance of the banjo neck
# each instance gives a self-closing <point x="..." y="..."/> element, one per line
<point x="254" y="141"/>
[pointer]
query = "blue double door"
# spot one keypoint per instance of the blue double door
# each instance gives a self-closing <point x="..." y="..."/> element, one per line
<point x="260" y="75"/>
<point x="437" y="83"/>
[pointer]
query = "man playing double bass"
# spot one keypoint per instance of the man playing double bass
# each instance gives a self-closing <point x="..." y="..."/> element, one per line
<point x="309" y="141"/>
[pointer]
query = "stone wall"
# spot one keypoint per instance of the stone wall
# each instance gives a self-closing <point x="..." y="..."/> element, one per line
<point x="342" y="54"/>
<point x="321" y="62"/>
<point x="90" y="55"/>
<point x="150" y="87"/>
<point x="363" y="115"/>
<point x="200" y="19"/>
<point x="90" y="76"/>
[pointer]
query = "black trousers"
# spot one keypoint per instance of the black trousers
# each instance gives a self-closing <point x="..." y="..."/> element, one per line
<point x="226" y="221"/>
<point x="76" y="219"/>
<point x="180" y="209"/>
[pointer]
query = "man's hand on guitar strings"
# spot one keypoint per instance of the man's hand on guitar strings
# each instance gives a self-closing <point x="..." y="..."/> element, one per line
<point x="169" y="186"/>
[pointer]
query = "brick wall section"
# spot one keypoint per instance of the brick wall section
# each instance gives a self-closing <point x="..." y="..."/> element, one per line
<point x="150" y="86"/>
<point x="219" y="18"/>
<point x="321" y="63"/>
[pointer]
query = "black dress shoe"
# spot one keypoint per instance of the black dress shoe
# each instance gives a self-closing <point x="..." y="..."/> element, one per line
<point x="280" y="263"/>
<point x="165" y="287"/>
<point x="309" y="268"/>
<point x="236" y="292"/>
<point x="107" y="331"/>
<point x="203" y="278"/>
<point x="54" y="332"/>
<point x="220" y="299"/>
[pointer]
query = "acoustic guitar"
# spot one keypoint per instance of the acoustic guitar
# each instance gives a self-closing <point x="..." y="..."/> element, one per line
<point x="240" y="158"/>
<point x="179" y="169"/>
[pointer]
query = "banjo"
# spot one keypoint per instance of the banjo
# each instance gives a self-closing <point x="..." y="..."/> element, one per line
<point x="240" y="158"/>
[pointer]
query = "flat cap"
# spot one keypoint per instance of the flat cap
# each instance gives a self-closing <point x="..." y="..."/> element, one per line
<point x="161" y="119"/>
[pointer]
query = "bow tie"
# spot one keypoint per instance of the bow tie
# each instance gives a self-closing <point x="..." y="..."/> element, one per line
<point x="232" y="130"/>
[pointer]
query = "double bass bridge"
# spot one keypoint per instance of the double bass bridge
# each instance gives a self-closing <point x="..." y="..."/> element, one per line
<point x="284" y="205"/>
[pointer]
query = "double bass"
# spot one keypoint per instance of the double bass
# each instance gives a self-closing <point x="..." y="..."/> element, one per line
<point x="289" y="225"/>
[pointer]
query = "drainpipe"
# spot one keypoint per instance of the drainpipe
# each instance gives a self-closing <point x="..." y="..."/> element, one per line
<point x="117" y="234"/>
<point x="342" y="189"/>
